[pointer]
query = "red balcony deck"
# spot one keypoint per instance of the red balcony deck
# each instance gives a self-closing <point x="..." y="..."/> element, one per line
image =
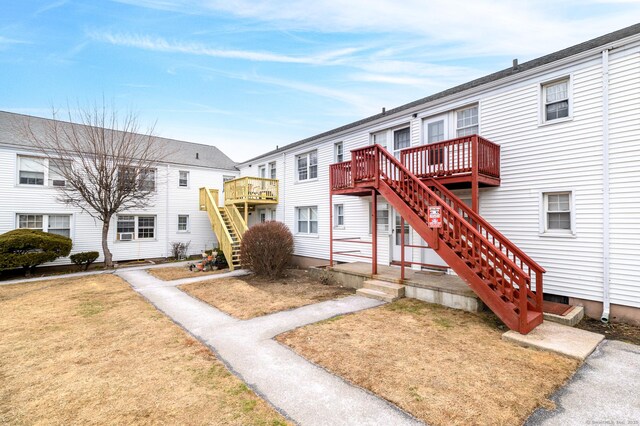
<point x="455" y="163"/>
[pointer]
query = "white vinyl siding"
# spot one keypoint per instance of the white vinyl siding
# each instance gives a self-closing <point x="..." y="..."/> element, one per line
<point x="307" y="166"/>
<point x="555" y="100"/>
<point x="467" y="121"/>
<point x="307" y="220"/>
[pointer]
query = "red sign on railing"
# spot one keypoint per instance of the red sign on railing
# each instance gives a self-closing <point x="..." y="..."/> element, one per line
<point x="434" y="216"/>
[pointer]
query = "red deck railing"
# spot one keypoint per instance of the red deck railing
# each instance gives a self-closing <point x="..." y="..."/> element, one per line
<point x="453" y="157"/>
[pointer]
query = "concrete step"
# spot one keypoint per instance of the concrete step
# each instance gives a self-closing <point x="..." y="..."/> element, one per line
<point x="392" y="289"/>
<point x="375" y="294"/>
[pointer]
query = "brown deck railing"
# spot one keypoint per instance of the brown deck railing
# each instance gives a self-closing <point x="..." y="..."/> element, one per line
<point x="453" y="157"/>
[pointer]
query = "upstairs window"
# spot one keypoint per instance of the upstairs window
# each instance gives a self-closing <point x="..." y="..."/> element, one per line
<point x="183" y="178"/>
<point x="338" y="149"/>
<point x="556" y="100"/>
<point x="380" y="138"/>
<point x="262" y="171"/>
<point x="307" y="166"/>
<point x="148" y="180"/>
<point x="31" y="170"/>
<point x="467" y="121"/>
<point x="56" y="172"/>
<point x="272" y="170"/>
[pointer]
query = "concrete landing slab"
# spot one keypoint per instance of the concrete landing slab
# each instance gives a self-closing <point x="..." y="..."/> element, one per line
<point x="561" y="339"/>
<point x="571" y="318"/>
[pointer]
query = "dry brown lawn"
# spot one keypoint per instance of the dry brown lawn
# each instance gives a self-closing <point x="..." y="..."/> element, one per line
<point x="179" y="272"/>
<point x="442" y="365"/>
<point x="249" y="296"/>
<point x="92" y="351"/>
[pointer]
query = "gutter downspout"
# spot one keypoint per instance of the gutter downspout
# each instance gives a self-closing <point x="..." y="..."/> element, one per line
<point x="605" y="188"/>
<point x="166" y="212"/>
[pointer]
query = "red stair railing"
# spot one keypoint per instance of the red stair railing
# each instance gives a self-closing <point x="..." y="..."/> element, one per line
<point x="490" y="264"/>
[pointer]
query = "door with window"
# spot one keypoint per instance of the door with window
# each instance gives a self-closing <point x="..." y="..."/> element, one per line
<point x="396" y="239"/>
<point x="401" y="140"/>
<point x="436" y="129"/>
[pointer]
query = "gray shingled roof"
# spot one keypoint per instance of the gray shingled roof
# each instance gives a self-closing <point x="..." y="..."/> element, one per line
<point x="526" y="66"/>
<point x="181" y="152"/>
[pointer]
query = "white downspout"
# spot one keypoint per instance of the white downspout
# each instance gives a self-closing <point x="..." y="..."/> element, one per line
<point x="166" y="210"/>
<point x="605" y="188"/>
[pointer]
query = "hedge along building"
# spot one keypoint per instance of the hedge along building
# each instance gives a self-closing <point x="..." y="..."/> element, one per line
<point x="556" y="176"/>
<point x="28" y="197"/>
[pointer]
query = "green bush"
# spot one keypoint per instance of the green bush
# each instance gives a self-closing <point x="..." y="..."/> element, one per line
<point x="28" y="248"/>
<point x="85" y="258"/>
<point x="267" y="248"/>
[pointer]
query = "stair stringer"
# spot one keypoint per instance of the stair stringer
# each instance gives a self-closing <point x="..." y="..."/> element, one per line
<point x="488" y="296"/>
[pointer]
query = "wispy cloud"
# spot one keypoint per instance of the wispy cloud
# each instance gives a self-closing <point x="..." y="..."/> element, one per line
<point x="50" y="6"/>
<point x="160" y="44"/>
<point x="6" y="42"/>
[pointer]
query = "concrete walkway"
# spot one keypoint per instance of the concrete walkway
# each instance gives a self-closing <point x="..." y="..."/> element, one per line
<point x="604" y="391"/>
<point x="300" y="390"/>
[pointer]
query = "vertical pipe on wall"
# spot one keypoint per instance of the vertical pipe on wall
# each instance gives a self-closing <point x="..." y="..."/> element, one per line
<point x="374" y="232"/>
<point x="605" y="187"/>
<point x="402" y="248"/>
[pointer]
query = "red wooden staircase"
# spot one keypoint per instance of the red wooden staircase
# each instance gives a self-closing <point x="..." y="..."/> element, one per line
<point x="504" y="277"/>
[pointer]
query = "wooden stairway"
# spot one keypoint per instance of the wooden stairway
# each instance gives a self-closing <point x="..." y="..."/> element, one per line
<point x="235" y="239"/>
<point x="499" y="273"/>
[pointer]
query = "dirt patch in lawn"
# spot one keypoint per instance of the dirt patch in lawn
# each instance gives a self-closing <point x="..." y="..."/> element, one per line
<point x="629" y="333"/>
<point x="92" y="351"/>
<point x="250" y="296"/>
<point x="179" y="272"/>
<point x="442" y="365"/>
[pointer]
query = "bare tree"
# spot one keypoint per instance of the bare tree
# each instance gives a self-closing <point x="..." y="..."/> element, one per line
<point x="104" y="164"/>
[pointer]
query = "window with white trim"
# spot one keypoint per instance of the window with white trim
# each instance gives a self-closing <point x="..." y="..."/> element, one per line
<point x="146" y="227"/>
<point x="59" y="224"/>
<point x="133" y="227"/>
<point x="467" y="121"/>
<point x="272" y="170"/>
<point x="183" y="223"/>
<point x="31" y="221"/>
<point x="183" y="178"/>
<point x="380" y="138"/>
<point x="555" y="98"/>
<point x="338" y="215"/>
<point x="56" y="172"/>
<point x="262" y="171"/>
<point x="307" y="165"/>
<point x="558" y="212"/>
<point x="31" y="170"/>
<point x="147" y="179"/>
<point x="307" y="220"/>
<point x="226" y="179"/>
<point x="53" y="223"/>
<point x="338" y="150"/>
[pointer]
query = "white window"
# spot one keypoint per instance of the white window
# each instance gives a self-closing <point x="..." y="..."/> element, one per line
<point x="555" y="97"/>
<point x="183" y="223"/>
<point x="338" y="215"/>
<point x="126" y="228"/>
<point x="338" y="150"/>
<point x="146" y="227"/>
<point x="307" y="220"/>
<point x="183" y="178"/>
<point x="401" y="140"/>
<point x="31" y="221"/>
<point x="272" y="170"/>
<point x="148" y="180"/>
<point x="31" y="170"/>
<point x="558" y="212"/>
<point x="467" y="121"/>
<point x="60" y="224"/>
<point x="307" y="165"/>
<point x="54" y="223"/>
<point x="262" y="171"/>
<point x="435" y="131"/>
<point x="382" y="218"/>
<point x="226" y="179"/>
<point x="56" y="175"/>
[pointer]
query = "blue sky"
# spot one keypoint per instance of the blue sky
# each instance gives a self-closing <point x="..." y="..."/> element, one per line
<point x="249" y="75"/>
